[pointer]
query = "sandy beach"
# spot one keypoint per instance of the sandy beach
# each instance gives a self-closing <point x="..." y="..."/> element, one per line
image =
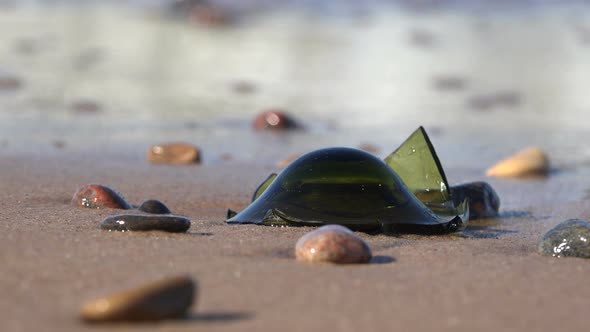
<point x="55" y="257"/>
<point x="81" y="104"/>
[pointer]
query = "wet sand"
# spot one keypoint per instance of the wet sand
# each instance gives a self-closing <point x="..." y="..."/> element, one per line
<point x="55" y="257"/>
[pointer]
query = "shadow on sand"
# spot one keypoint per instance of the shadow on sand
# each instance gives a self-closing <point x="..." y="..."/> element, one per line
<point x="218" y="317"/>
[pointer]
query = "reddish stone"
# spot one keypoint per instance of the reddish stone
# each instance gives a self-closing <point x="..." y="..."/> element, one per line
<point x="96" y="196"/>
<point x="209" y="15"/>
<point x="274" y="119"/>
<point x="86" y="106"/>
<point x="10" y="83"/>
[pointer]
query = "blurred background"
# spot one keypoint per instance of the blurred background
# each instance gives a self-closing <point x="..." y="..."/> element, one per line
<point x="484" y="77"/>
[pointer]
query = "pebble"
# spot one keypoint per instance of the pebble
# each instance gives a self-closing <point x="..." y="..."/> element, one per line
<point x="28" y="46"/>
<point x="154" y="206"/>
<point x="174" y="154"/>
<point x="449" y="83"/>
<point x="481" y="102"/>
<point x="58" y="144"/>
<point x="244" y="87"/>
<point x="142" y="222"/>
<point x="97" y="196"/>
<point x="569" y="238"/>
<point x="8" y="83"/>
<point x="274" y="120"/>
<point x="422" y="38"/>
<point x="332" y="244"/>
<point x="483" y="200"/>
<point x="530" y="161"/>
<point x="499" y="99"/>
<point x="164" y="299"/>
<point x="209" y="16"/>
<point x="85" y="106"/>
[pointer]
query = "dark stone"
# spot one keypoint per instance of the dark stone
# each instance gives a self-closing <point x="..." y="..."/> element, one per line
<point x="58" y="144"/>
<point x="154" y="206"/>
<point x="142" y="222"/>
<point x="499" y="99"/>
<point x="481" y="102"/>
<point x="86" y="106"/>
<point x="97" y="196"/>
<point x="569" y="238"/>
<point x="422" y="38"/>
<point x="449" y="83"/>
<point x="509" y="98"/>
<point x="483" y="200"/>
<point x="244" y="87"/>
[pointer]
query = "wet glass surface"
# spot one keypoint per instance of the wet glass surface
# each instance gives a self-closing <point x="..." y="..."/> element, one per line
<point x="341" y="186"/>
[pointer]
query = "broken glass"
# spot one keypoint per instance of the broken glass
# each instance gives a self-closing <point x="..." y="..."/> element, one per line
<point x="352" y="188"/>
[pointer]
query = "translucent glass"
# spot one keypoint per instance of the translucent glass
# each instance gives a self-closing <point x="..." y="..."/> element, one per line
<point x="347" y="187"/>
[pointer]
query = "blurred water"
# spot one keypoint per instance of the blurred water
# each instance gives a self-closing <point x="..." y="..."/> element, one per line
<point x="485" y="78"/>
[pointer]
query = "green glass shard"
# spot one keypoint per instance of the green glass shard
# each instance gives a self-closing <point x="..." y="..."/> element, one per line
<point x="417" y="164"/>
<point x="348" y="187"/>
<point x="262" y="187"/>
<point x="231" y="213"/>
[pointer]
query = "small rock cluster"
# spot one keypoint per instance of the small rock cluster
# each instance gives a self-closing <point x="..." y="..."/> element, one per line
<point x="157" y="218"/>
<point x="173" y="297"/>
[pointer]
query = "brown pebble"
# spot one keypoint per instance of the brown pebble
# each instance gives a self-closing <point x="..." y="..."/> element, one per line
<point x="530" y="161"/>
<point x="209" y="15"/>
<point x="96" y="196"/>
<point x="163" y="299"/>
<point x="9" y="83"/>
<point x="244" y="87"/>
<point x="274" y="120"/>
<point x="285" y="162"/>
<point x="58" y="144"/>
<point x="332" y="244"/>
<point x="174" y="154"/>
<point x="85" y="106"/>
